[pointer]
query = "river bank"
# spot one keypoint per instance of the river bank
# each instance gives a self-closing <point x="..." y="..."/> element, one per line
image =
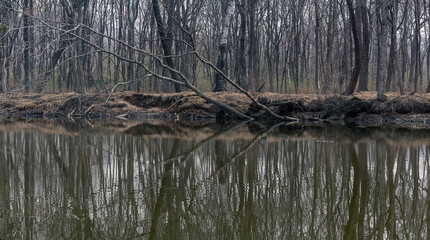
<point x="359" y="109"/>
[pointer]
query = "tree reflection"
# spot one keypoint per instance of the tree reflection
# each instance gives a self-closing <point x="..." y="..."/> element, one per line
<point x="267" y="183"/>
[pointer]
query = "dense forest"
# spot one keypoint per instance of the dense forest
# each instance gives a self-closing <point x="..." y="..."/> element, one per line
<point x="285" y="46"/>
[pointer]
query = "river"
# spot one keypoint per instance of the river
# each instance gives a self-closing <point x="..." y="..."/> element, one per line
<point x="164" y="180"/>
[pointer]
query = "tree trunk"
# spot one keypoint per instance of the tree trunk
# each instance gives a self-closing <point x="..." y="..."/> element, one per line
<point x="364" y="69"/>
<point x="403" y="47"/>
<point x="331" y="29"/>
<point x="382" y="50"/>
<point x="26" y="39"/>
<point x="132" y="9"/>
<point x="391" y="70"/>
<point x="356" y="72"/>
<point x="220" y="84"/>
<point x="428" y="58"/>
<point x="417" y="40"/>
<point x="317" y="42"/>
<point x="269" y="41"/>
<point x="241" y="73"/>
<point x="166" y="43"/>
<point x="3" y="50"/>
<point x="253" y="71"/>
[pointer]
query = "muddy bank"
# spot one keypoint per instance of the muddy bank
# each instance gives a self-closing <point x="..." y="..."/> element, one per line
<point x="359" y="109"/>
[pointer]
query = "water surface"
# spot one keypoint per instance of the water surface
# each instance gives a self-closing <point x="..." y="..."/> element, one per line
<point x="237" y="181"/>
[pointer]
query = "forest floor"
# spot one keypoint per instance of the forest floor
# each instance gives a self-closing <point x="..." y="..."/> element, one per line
<point x="360" y="109"/>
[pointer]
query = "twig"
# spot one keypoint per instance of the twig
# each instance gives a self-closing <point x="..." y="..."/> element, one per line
<point x="89" y="109"/>
<point x="123" y="83"/>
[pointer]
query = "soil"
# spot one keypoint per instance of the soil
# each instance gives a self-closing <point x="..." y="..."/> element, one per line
<point x="362" y="109"/>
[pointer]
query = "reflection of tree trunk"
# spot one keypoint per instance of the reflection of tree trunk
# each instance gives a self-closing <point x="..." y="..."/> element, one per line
<point x="250" y="223"/>
<point x="29" y="210"/>
<point x="5" y="175"/>
<point x="316" y="170"/>
<point x="221" y="157"/>
<point x="82" y="197"/>
<point x="391" y="224"/>
<point x="131" y="205"/>
<point x="330" y="196"/>
<point x="166" y="182"/>
<point x="428" y="184"/>
<point x="362" y="153"/>
<point x="415" y="189"/>
<point x="350" y="229"/>
<point x="380" y="197"/>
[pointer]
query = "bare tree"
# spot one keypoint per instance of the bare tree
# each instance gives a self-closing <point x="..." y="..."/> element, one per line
<point x="220" y="84"/>
<point x="382" y="14"/>
<point x="365" y="45"/>
<point x="166" y="42"/>
<point x="241" y="62"/>
<point x="355" y="74"/>
<point x="278" y="43"/>
<point x="27" y="36"/>
<point x="317" y="44"/>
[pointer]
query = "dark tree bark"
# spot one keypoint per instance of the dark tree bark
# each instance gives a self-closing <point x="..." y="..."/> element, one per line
<point x="253" y="64"/>
<point x="416" y="47"/>
<point x="296" y="19"/>
<point x="241" y="72"/>
<point x="165" y="43"/>
<point x="119" y="49"/>
<point x="350" y="228"/>
<point x="365" y="44"/>
<point x="269" y="41"/>
<point x="132" y="9"/>
<point x="317" y="42"/>
<point x="3" y="42"/>
<point x="428" y="58"/>
<point x="220" y="84"/>
<point x="381" y="15"/>
<point x="403" y="46"/>
<point x="391" y="70"/>
<point x="331" y="29"/>
<point x="356" y="72"/>
<point x="27" y="44"/>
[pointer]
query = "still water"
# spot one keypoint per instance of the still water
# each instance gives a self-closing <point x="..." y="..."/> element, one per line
<point x="154" y="180"/>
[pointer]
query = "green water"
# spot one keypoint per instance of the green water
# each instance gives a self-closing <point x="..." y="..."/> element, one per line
<point x="82" y="180"/>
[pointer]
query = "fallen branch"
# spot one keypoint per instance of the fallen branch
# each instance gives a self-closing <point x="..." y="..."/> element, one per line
<point x="207" y="62"/>
<point x="121" y="84"/>
<point x="88" y="110"/>
<point x="147" y="69"/>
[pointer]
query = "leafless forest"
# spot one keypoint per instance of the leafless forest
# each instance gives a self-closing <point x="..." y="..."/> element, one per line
<point x="305" y="46"/>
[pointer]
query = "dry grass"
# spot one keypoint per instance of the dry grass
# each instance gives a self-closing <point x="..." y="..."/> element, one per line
<point x="187" y="105"/>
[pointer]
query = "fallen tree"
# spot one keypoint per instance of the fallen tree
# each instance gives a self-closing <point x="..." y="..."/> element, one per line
<point x="183" y="81"/>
